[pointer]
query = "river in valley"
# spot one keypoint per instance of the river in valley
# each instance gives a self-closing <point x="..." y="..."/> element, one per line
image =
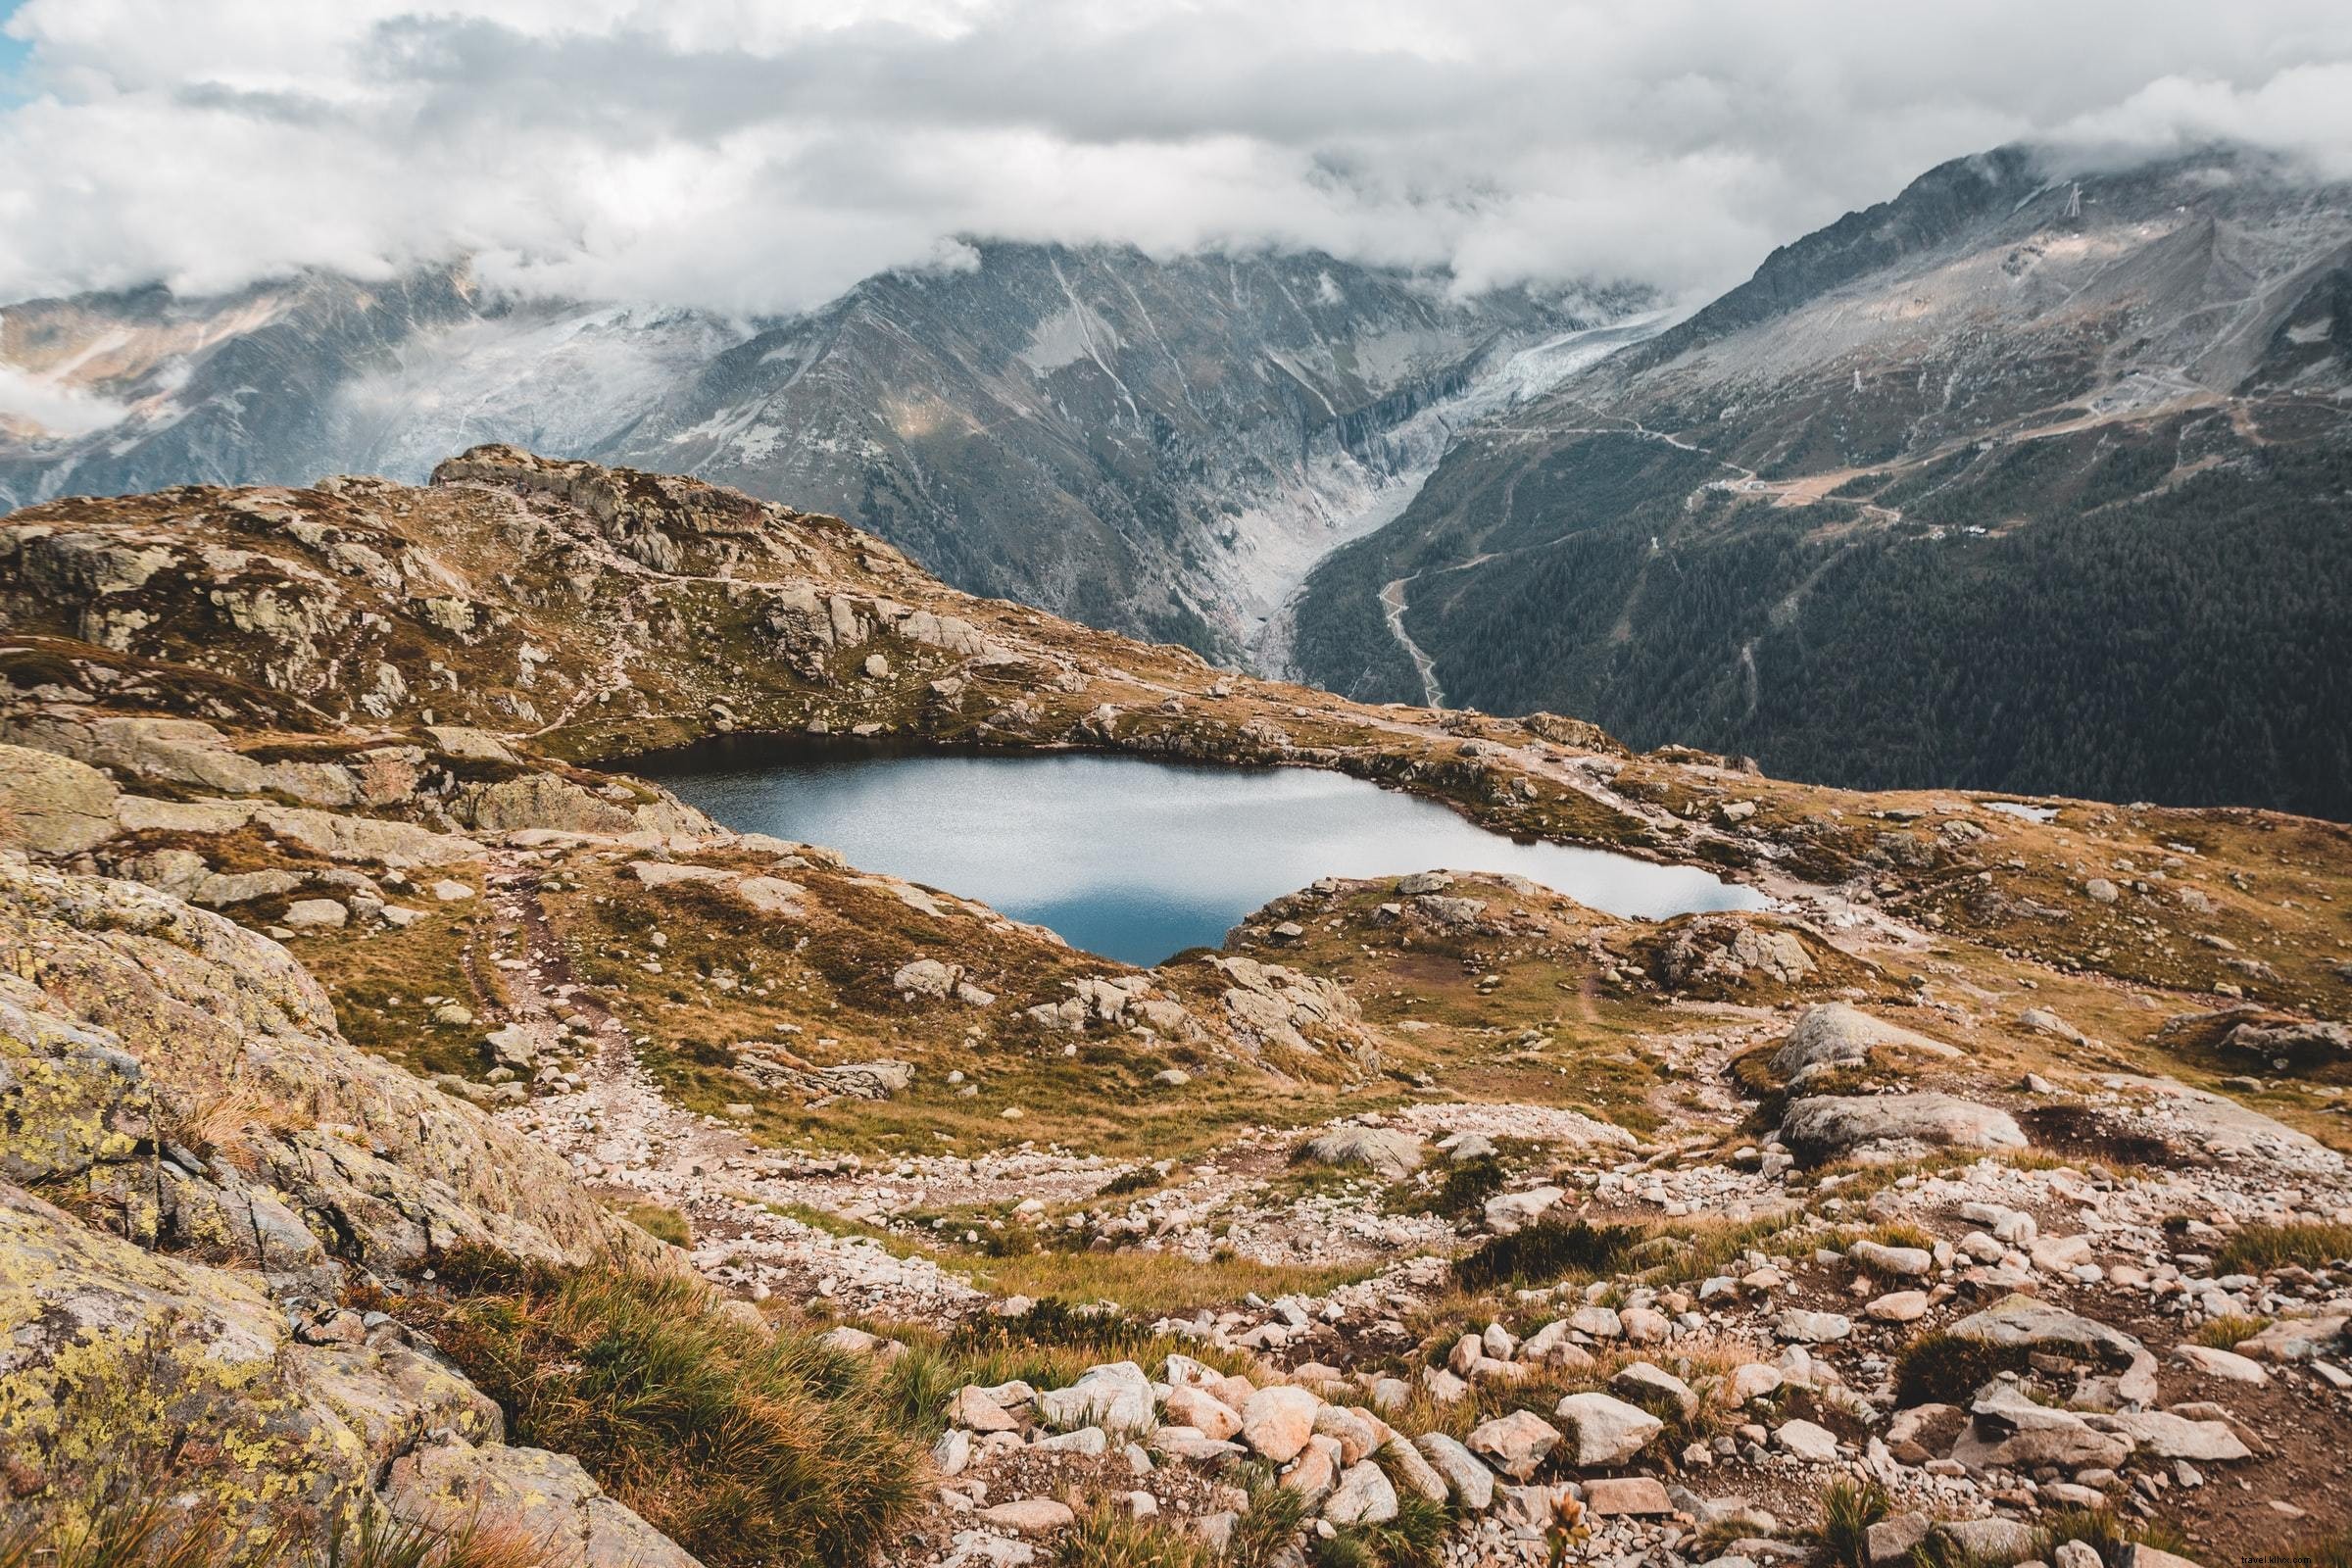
<point x="1129" y="858"/>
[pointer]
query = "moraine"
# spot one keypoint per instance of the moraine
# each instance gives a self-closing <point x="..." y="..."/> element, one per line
<point x="1129" y="858"/>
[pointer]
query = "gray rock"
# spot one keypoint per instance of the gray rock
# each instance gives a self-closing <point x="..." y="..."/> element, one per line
<point x="1605" y="1431"/>
<point x="57" y="806"/>
<point x="1836" y="1035"/>
<point x="1877" y="1128"/>
<point x="1470" y="1481"/>
<point x="1380" y="1150"/>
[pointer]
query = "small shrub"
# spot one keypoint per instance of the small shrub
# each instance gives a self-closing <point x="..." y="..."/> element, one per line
<point x="1549" y="1250"/>
<point x="1946" y="1368"/>
<point x="2265" y="1248"/>
<point x="1143" y="1178"/>
<point x="1464" y="1192"/>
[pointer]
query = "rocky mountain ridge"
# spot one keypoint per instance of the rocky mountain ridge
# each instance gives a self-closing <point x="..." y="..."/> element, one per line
<point x="2091" y="429"/>
<point x="1434" y="1219"/>
<point x="1161" y="447"/>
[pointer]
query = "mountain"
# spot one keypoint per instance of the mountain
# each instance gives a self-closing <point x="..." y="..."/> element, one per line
<point x="2022" y="480"/>
<point x="423" y="1141"/>
<point x="1163" y="447"/>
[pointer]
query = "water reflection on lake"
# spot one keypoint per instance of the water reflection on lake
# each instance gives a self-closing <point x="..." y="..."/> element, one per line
<point x="1130" y="858"/>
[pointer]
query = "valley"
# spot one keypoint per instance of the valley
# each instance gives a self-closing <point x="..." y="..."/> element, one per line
<point x="2085" y="428"/>
<point x="407" y="1083"/>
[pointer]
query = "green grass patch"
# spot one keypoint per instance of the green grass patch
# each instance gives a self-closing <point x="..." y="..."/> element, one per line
<point x="661" y="1222"/>
<point x="1108" y="1538"/>
<point x="2227" y="1332"/>
<point x="2265" y="1248"/>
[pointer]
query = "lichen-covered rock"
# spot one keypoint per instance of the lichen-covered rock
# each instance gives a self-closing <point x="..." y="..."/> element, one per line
<point x="528" y="1495"/>
<point x="1836" y="1035"/>
<point x="1894" y="1127"/>
<point x="145" y="1017"/>
<point x="119" y="1356"/>
<point x="54" y="804"/>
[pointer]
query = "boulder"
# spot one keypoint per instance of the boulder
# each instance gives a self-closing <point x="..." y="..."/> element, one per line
<point x="2025" y="1321"/>
<point x="2298" y="1338"/>
<point x="530" y="1495"/>
<point x="1029" y="1516"/>
<point x="1276" y="1422"/>
<point x="1880" y="1128"/>
<point x="1603" y="1430"/>
<point x="1610" y="1496"/>
<point x="1805" y="1440"/>
<point x="1466" y="1476"/>
<point x="1811" y="1327"/>
<point x="52" y="804"/>
<point x="1901" y="1262"/>
<point x="1516" y="1443"/>
<point x="1192" y="1408"/>
<point x="1509" y="1212"/>
<point x="1115" y="1395"/>
<point x="1363" y="1496"/>
<point x="1412" y="1470"/>
<point x="1649" y="1385"/>
<point x="1834" y="1035"/>
<point x="1382" y="1150"/>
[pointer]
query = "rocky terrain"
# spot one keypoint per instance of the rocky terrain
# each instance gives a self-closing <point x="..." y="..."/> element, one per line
<point x="2051" y="454"/>
<point x="411" y="1122"/>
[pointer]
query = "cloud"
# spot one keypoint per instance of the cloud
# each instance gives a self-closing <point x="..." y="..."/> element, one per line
<point x="763" y="156"/>
<point x="50" y="409"/>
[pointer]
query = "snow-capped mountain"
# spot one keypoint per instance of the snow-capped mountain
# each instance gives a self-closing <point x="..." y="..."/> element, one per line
<point x="1163" y="447"/>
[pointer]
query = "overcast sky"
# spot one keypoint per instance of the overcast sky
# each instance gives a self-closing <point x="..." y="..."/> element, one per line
<point x="762" y="155"/>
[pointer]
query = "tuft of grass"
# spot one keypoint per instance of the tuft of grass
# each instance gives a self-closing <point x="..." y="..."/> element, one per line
<point x="1414" y="1539"/>
<point x="383" y="1543"/>
<point x="744" y="1446"/>
<point x="2104" y="1533"/>
<point x="1848" y="1509"/>
<point x="1268" y="1529"/>
<point x="2225" y="1332"/>
<point x="122" y="1532"/>
<point x="1549" y="1251"/>
<point x="1901" y="1232"/>
<point x="2265" y="1248"/>
<point x="661" y="1222"/>
<point x="2330" y="1551"/>
<point x="1106" y="1537"/>
<point x="1848" y="1512"/>
<point x="1140" y="1179"/>
<point x="1938" y="1368"/>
